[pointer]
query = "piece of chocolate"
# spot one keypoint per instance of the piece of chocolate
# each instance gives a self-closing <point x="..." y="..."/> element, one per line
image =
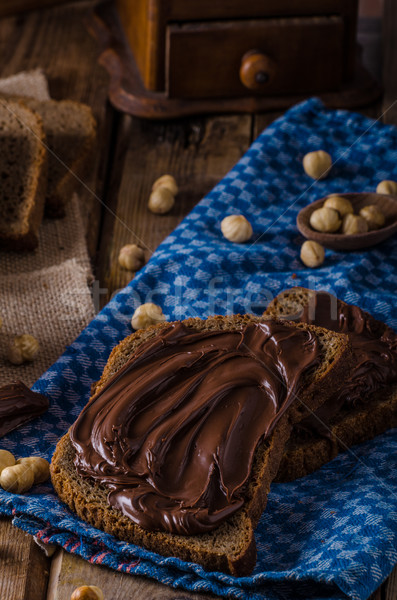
<point x="18" y="405"/>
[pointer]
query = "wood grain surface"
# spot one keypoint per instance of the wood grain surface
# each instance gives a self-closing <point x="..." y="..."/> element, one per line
<point x="11" y="7"/>
<point x="19" y="558"/>
<point x="198" y="152"/>
<point x="131" y="154"/>
<point x="56" y="40"/>
<point x="69" y="572"/>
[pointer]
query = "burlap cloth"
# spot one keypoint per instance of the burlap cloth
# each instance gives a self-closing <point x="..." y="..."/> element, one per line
<point x="44" y="293"/>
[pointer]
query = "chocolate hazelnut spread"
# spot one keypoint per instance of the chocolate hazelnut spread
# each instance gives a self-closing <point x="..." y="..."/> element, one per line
<point x="173" y="433"/>
<point x="374" y="348"/>
<point x="18" y="404"/>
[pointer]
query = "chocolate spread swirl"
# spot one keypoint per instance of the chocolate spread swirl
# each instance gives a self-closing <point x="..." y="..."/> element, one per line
<point x="374" y="346"/>
<point x="18" y="404"/>
<point x="173" y="433"/>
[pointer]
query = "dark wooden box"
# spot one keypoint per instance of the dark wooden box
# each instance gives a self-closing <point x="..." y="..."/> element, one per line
<point x="214" y="48"/>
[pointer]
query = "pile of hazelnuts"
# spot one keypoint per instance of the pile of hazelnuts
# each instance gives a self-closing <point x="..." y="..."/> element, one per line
<point x="337" y="215"/>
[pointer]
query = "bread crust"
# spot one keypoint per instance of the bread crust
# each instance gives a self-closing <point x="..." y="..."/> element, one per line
<point x="306" y="453"/>
<point x="27" y="238"/>
<point x="80" y="137"/>
<point x="59" y="195"/>
<point x="231" y="547"/>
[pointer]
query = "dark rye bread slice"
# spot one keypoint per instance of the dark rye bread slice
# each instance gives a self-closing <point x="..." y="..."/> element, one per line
<point x="70" y="129"/>
<point x="23" y="176"/>
<point x="305" y="452"/>
<point x="231" y="547"/>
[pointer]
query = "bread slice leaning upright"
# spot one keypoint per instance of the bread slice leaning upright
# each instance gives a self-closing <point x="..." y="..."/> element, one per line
<point x="230" y="546"/>
<point x="23" y="176"/>
<point x="70" y="130"/>
<point x="341" y="422"/>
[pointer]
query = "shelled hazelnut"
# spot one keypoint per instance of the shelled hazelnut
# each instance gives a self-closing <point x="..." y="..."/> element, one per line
<point x="161" y="200"/>
<point x="353" y="224"/>
<point x="325" y="219"/>
<point x="6" y="460"/>
<point x="342" y="205"/>
<point x="387" y="187"/>
<point x="16" y="479"/>
<point x="312" y="254"/>
<point x="146" y="315"/>
<point x="87" y="592"/>
<point x="236" y="228"/>
<point x="374" y="217"/>
<point x="40" y="467"/>
<point x="131" y="257"/>
<point x="317" y="164"/>
<point x="167" y="181"/>
<point x="24" y="348"/>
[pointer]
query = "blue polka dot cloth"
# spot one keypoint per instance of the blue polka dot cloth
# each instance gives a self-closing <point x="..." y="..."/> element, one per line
<point x="332" y="534"/>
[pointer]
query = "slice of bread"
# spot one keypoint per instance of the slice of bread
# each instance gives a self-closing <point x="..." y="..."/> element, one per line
<point x="307" y="451"/>
<point x="70" y="130"/>
<point x="23" y="175"/>
<point x="231" y="546"/>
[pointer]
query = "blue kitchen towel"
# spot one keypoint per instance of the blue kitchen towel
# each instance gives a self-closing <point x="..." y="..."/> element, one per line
<point x="332" y="534"/>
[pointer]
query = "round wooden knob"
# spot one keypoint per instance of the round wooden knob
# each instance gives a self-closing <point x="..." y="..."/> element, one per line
<point x="256" y="70"/>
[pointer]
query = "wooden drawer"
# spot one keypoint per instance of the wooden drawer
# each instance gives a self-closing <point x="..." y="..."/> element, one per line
<point x="263" y="56"/>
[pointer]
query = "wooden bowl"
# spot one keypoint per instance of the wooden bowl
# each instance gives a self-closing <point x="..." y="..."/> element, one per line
<point x="339" y="241"/>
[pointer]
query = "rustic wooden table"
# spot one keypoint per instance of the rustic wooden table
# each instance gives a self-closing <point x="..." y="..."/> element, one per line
<point x="131" y="154"/>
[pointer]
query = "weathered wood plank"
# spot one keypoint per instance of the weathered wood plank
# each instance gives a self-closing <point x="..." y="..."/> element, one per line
<point x="390" y="61"/>
<point x="20" y="557"/>
<point x="10" y="7"/>
<point x="69" y="572"/>
<point x="389" y="110"/>
<point x="263" y="120"/>
<point x="391" y="587"/>
<point x="198" y="152"/>
<point x="57" y="41"/>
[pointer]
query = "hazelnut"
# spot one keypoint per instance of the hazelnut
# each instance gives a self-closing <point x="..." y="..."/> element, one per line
<point x="167" y="181"/>
<point x="325" y="219"/>
<point x="39" y="466"/>
<point x="161" y="201"/>
<point x="387" y="187"/>
<point x="353" y="224"/>
<point x="16" y="479"/>
<point x="236" y="228"/>
<point x="6" y="459"/>
<point x="87" y="592"/>
<point x="23" y="349"/>
<point x="317" y="164"/>
<point x="342" y="205"/>
<point x="374" y="217"/>
<point x="131" y="257"/>
<point x="312" y="254"/>
<point x="146" y="315"/>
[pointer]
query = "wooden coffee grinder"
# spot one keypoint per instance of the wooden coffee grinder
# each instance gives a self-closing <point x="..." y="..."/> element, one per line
<point x="173" y="57"/>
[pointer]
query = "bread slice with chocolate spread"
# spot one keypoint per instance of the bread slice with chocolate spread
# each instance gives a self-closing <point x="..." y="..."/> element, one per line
<point x="354" y="422"/>
<point x="230" y="547"/>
